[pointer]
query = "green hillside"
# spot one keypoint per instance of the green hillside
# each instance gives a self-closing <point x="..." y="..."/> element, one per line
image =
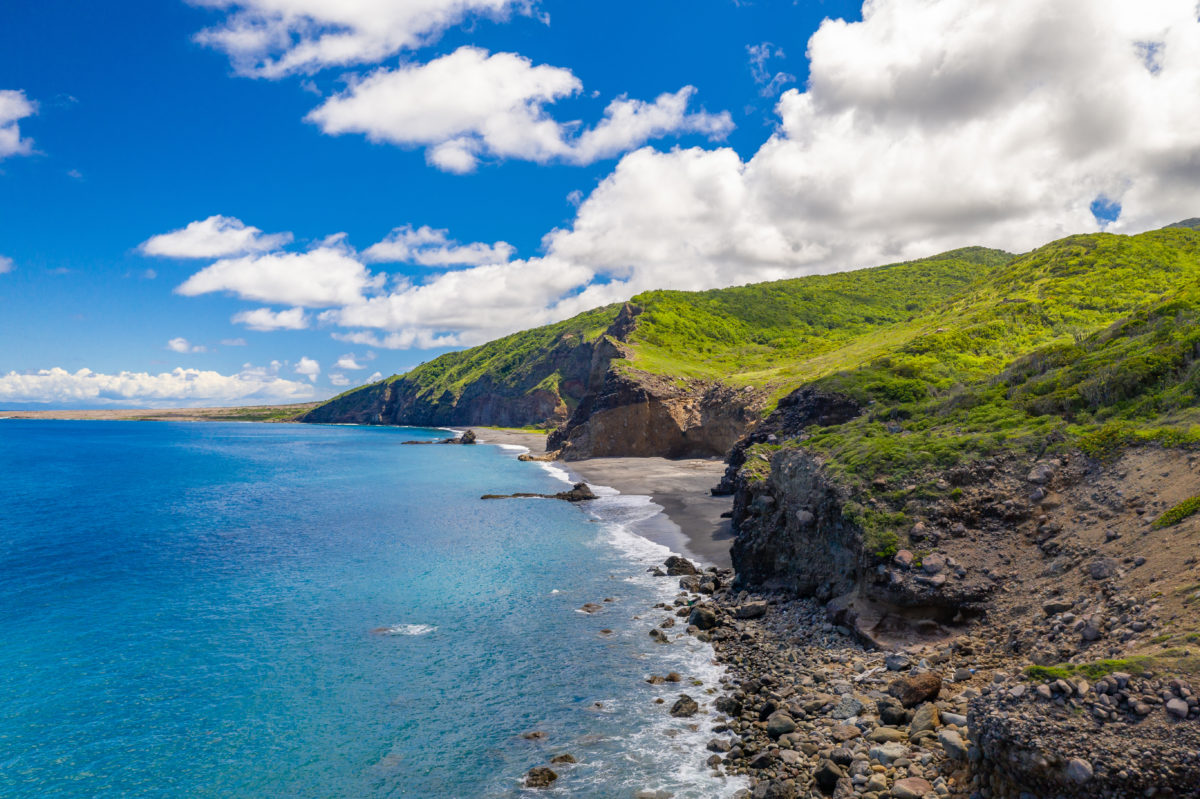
<point x="1089" y="341"/>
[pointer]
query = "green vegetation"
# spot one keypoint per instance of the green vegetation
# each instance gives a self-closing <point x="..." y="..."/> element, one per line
<point x="1178" y="513"/>
<point x="1090" y="671"/>
<point x="1090" y="342"/>
<point x="1179" y="661"/>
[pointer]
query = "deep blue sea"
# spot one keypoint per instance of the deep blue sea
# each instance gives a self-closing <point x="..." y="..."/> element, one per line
<point x="270" y="610"/>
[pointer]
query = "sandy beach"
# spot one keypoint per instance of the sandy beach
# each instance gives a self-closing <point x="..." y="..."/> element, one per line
<point x="691" y="523"/>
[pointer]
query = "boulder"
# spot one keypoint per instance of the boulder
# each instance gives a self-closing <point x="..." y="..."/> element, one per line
<point x="914" y="689"/>
<point x="751" y="610"/>
<point x="468" y="437"/>
<point x="1041" y="474"/>
<point x="684" y="707"/>
<point x="827" y="775"/>
<point x="677" y="566"/>
<point x="953" y="745"/>
<point x="704" y="617"/>
<point x="1079" y="770"/>
<point x="924" y="719"/>
<point x="1102" y="568"/>
<point x="565" y="757"/>
<point x="780" y="723"/>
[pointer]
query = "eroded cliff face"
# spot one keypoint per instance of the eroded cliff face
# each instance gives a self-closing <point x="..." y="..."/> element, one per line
<point x="792" y="532"/>
<point x="638" y="415"/>
<point x="558" y="380"/>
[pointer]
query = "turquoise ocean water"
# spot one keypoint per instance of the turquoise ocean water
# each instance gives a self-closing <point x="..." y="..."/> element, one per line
<point x="246" y="610"/>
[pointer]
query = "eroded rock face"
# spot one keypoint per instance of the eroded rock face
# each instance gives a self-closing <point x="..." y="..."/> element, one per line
<point x="816" y="553"/>
<point x="640" y="415"/>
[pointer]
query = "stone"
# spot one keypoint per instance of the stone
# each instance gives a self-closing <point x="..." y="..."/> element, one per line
<point x="1177" y="707"/>
<point x="719" y="745"/>
<point x="848" y="707"/>
<point x="882" y="735"/>
<point x="953" y="745"/>
<point x="911" y="788"/>
<point x="774" y="789"/>
<point x="891" y="712"/>
<point x="1092" y="629"/>
<point x="677" y="566"/>
<point x="468" y="437"/>
<point x="1056" y="606"/>
<point x="884" y="754"/>
<point x="1041" y="474"/>
<point x="704" y="617"/>
<point x="780" y="723"/>
<point x="1079" y="771"/>
<point x="924" y="719"/>
<point x="933" y="564"/>
<point x="917" y="688"/>
<point x="903" y="559"/>
<point x="539" y="777"/>
<point x="876" y="783"/>
<point x="684" y="707"/>
<point x="565" y="757"/>
<point x="751" y="610"/>
<point x="804" y="518"/>
<point x="1102" y="568"/>
<point x="1044" y="691"/>
<point x="827" y="775"/>
<point x="844" y="732"/>
<point x="897" y="661"/>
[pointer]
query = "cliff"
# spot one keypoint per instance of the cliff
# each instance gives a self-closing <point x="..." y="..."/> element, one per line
<point x="677" y="374"/>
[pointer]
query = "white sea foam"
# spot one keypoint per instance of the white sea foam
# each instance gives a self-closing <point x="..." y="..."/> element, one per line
<point x="407" y="629"/>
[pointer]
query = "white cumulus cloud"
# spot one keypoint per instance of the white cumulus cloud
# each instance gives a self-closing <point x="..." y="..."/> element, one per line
<point x="183" y="345"/>
<point x="309" y="368"/>
<point x="274" y="38"/>
<point x="14" y="106"/>
<point x="337" y="379"/>
<point x="266" y="319"/>
<point x="326" y="275"/>
<point x="177" y="387"/>
<point x="429" y="247"/>
<point x="349" y="362"/>
<point x="6" y="264"/>
<point x="468" y="105"/>
<point x="214" y="237"/>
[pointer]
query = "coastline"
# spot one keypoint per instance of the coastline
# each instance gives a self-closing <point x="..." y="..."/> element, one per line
<point x="690" y="522"/>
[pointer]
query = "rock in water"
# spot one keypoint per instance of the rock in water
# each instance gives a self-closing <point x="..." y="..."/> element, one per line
<point x="917" y="688"/>
<point x="677" y="566"/>
<point x="468" y="437"/>
<point x="566" y="757"/>
<point x="539" y="777"/>
<point x="684" y="707"/>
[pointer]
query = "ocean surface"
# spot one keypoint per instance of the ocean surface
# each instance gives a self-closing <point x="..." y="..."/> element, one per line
<point x="259" y="610"/>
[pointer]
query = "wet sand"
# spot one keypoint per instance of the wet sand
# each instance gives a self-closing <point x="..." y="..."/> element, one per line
<point x="692" y="524"/>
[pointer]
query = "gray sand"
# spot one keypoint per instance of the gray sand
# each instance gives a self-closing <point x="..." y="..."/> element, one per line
<point x="692" y="524"/>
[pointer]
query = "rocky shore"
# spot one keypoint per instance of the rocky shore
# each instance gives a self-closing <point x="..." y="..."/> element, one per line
<point x="807" y="711"/>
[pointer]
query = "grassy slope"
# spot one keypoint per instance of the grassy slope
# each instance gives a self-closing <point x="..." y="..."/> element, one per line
<point x="782" y="333"/>
<point x="1091" y="341"/>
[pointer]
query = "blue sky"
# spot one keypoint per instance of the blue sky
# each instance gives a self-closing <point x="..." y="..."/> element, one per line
<point x="486" y="119"/>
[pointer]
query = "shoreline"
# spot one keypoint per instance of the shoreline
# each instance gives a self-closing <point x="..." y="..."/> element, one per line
<point x="690" y="522"/>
